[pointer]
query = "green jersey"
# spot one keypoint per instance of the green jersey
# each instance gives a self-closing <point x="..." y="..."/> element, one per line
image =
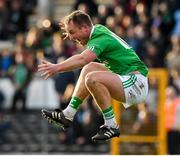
<point x="114" y="52"/>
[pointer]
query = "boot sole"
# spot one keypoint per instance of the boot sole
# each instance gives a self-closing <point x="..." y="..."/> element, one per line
<point x="105" y="140"/>
<point x="46" y="116"/>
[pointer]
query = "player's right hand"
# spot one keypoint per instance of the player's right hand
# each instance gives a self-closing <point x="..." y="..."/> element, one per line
<point x="48" y="69"/>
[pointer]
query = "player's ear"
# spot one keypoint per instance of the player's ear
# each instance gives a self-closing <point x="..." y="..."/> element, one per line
<point x="85" y="27"/>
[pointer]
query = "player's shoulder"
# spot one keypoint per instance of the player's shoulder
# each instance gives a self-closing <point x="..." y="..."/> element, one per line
<point x="99" y="30"/>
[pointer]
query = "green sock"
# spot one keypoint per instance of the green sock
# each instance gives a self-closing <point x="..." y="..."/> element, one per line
<point x="75" y="102"/>
<point x="109" y="118"/>
<point x="108" y="113"/>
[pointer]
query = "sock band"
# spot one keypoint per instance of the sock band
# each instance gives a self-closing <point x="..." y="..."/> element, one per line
<point x="75" y="102"/>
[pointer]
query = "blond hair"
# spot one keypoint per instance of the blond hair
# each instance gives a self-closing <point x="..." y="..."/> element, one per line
<point x="79" y="18"/>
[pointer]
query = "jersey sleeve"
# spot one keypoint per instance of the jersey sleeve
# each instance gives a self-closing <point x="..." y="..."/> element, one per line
<point x="97" y="45"/>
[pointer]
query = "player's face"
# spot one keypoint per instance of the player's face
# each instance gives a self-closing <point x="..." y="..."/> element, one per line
<point x="78" y="34"/>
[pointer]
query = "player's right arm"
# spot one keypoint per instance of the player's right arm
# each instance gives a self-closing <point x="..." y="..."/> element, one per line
<point x="74" y="62"/>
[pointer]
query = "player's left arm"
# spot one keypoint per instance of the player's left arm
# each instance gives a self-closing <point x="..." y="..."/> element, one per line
<point x="74" y="62"/>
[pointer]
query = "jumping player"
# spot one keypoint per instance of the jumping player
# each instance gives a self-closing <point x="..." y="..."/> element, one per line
<point x="120" y="75"/>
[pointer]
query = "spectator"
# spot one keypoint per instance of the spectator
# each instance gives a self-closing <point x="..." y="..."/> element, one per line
<point x="173" y="134"/>
<point x="132" y="39"/>
<point x="3" y="20"/>
<point x="152" y="55"/>
<point x="176" y="29"/>
<point x="6" y="62"/>
<point x="21" y="78"/>
<point x="1" y="99"/>
<point x="17" y="20"/>
<point x="90" y="4"/>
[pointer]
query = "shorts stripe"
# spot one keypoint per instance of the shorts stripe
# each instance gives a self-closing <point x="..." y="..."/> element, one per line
<point x="127" y="81"/>
<point x="130" y="82"/>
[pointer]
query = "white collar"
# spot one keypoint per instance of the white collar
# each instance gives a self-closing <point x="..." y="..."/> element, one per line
<point x="92" y="30"/>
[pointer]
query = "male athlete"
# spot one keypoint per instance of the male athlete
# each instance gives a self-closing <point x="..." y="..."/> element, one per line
<point x="120" y="75"/>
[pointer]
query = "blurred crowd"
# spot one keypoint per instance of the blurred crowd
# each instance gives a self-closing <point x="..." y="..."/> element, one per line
<point x="152" y="28"/>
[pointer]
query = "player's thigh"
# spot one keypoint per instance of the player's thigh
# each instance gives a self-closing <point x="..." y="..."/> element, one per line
<point x="111" y="81"/>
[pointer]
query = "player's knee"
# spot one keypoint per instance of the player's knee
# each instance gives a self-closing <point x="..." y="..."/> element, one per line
<point x="89" y="67"/>
<point x="90" y="79"/>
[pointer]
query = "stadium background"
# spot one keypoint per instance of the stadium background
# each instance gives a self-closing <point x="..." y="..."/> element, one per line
<point x="29" y="32"/>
